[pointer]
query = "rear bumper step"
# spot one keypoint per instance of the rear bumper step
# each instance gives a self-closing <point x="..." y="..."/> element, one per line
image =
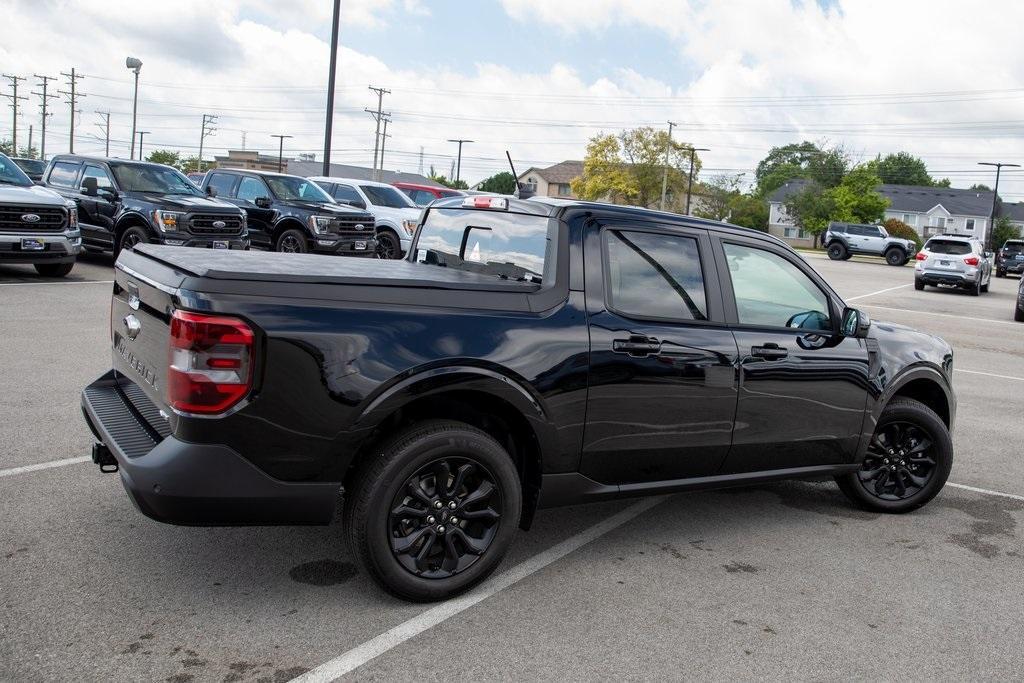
<point x="178" y="482"/>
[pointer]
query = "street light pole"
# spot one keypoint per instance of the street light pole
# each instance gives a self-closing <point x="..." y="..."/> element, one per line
<point x="458" y="164"/>
<point x="135" y="65"/>
<point x="995" y="201"/>
<point x="142" y="134"/>
<point x="280" y="151"/>
<point x="689" y="185"/>
<point x="328" y="128"/>
<point x="664" y="177"/>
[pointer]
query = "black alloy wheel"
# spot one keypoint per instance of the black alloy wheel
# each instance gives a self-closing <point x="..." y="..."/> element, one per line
<point x="444" y="517"/>
<point x="292" y="242"/>
<point x="898" y="463"/>
<point x="388" y="246"/>
<point x="895" y="257"/>
<point x="132" y="237"/>
<point x="907" y="462"/>
<point x="836" y="251"/>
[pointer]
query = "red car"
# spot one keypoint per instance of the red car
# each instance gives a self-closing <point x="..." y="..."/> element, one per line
<point x="422" y="195"/>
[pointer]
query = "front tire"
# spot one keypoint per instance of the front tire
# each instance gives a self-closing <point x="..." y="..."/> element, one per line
<point x="1018" y="314"/>
<point x="131" y="237"/>
<point x="433" y="512"/>
<point x="837" y="252"/>
<point x="896" y="257"/>
<point x="388" y="245"/>
<point x="907" y="463"/>
<point x="54" y="269"/>
<point x="292" y="241"/>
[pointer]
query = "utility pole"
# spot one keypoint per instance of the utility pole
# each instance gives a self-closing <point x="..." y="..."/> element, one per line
<point x="458" y="163"/>
<point x="208" y="129"/>
<point x="383" y="141"/>
<point x="689" y="185"/>
<point x="280" y="151"/>
<point x="420" y="170"/>
<point x="30" y="141"/>
<point x="243" y="139"/>
<point x="995" y="201"/>
<point x="142" y="134"/>
<point x="377" y="116"/>
<point x="106" y="131"/>
<point x="14" y="106"/>
<point x="72" y="96"/>
<point x="329" y="125"/>
<point x="664" y="177"/>
<point x="44" y="84"/>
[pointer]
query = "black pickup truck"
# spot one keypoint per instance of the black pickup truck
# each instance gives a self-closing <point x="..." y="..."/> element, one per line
<point x="525" y="354"/>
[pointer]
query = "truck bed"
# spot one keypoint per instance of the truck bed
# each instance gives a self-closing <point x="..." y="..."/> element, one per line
<point x="260" y="266"/>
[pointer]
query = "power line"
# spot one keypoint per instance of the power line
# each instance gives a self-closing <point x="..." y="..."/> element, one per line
<point x="44" y="84"/>
<point x="377" y="117"/>
<point x="72" y="96"/>
<point x="207" y="130"/>
<point x="106" y="131"/>
<point x="14" y="97"/>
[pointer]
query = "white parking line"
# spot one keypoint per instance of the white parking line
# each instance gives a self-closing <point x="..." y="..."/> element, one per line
<point x="987" y="492"/>
<point x="988" y="374"/>
<point x="942" y="315"/>
<point x="357" y="656"/>
<point x="40" y="284"/>
<point x="43" y="466"/>
<point x="881" y="291"/>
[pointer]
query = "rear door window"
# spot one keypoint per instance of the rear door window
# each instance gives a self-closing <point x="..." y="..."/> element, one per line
<point x="654" y="275"/>
<point x="223" y="183"/>
<point x="64" y="174"/>
<point x="346" y="193"/>
<point x="251" y="189"/>
<point x="952" y="247"/>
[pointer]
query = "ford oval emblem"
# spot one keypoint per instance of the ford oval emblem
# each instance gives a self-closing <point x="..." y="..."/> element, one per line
<point x="219" y="224"/>
<point x="30" y="217"/>
<point x="360" y="226"/>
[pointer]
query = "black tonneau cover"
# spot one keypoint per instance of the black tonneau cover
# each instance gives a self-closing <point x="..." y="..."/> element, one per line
<point x="259" y="266"/>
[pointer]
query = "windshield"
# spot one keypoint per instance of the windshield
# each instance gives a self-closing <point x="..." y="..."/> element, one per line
<point x="293" y="187"/>
<point x="1013" y="247"/>
<point x="154" y="178"/>
<point x="387" y="196"/>
<point x="510" y="246"/>
<point x="10" y="174"/>
<point x="955" y="248"/>
<point x="36" y="166"/>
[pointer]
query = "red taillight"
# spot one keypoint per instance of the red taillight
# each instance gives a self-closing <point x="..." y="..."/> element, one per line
<point x="921" y="256"/>
<point x="971" y="260"/>
<point x="210" y="364"/>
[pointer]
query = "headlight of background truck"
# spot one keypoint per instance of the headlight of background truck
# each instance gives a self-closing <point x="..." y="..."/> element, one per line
<point x="167" y="221"/>
<point x="320" y="224"/>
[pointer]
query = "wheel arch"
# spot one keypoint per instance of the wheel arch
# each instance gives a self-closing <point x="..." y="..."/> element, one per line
<point x="287" y="223"/>
<point x="132" y="220"/>
<point x="925" y="385"/>
<point x="483" y="398"/>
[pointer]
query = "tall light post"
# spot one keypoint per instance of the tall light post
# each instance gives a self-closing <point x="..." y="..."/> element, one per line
<point x="458" y="164"/>
<point x="664" y="177"/>
<point x="995" y="200"/>
<point x="328" y="128"/>
<point x="135" y="65"/>
<point x="142" y="134"/>
<point x="689" y="185"/>
<point x="280" y="151"/>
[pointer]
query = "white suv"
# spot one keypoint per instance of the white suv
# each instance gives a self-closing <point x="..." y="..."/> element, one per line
<point x="954" y="261"/>
<point x="396" y="215"/>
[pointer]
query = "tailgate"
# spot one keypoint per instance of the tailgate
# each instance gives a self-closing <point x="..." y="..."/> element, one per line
<point x="140" y="310"/>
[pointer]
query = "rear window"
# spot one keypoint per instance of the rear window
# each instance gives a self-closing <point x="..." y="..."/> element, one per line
<point x="953" y="247"/>
<point x="509" y="246"/>
<point x="1013" y="246"/>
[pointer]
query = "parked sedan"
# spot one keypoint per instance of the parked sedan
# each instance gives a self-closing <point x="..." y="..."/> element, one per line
<point x="1010" y="259"/>
<point x="953" y="261"/>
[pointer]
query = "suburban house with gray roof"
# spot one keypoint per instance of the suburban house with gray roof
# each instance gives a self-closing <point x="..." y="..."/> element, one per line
<point x="553" y="181"/>
<point x="1015" y="212"/>
<point x="928" y="210"/>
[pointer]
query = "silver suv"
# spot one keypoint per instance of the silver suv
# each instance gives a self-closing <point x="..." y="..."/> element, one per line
<point x="954" y="261"/>
<point x="843" y="240"/>
<point x="37" y="225"/>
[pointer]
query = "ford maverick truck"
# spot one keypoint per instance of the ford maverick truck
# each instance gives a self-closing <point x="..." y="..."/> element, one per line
<point x="525" y="354"/>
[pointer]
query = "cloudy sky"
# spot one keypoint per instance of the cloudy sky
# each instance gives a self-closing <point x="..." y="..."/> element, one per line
<point x="941" y="79"/>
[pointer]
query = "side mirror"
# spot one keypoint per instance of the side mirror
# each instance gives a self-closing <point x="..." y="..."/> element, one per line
<point x="211" y="191"/>
<point x="90" y="188"/>
<point x="856" y="323"/>
<point x="263" y="202"/>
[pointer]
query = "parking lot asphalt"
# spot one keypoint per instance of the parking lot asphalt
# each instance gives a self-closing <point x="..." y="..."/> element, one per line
<point x="779" y="581"/>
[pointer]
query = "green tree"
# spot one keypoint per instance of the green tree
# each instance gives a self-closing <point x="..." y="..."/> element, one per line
<point x="856" y="200"/>
<point x="629" y="168"/>
<point x="749" y="211"/>
<point x="501" y="183"/>
<point x="191" y="165"/>
<point x="897" y="228"/>
<point x="165" y="157"/>
<point x="716" y="197"/>
<point x="441" y="180"/>
<point x="7" y="147"/>
<point x="811" y="209"/>
<point x="903" y="168"/>
<point x="824" y="165"/>
<point x="981" y="187"/>
<point x="1003" y="231"/>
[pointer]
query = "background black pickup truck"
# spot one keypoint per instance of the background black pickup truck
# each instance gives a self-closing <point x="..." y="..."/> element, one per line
<point x="124" y="203"/>
<point x="527" y="353"/>
<point x="293" y="214"/>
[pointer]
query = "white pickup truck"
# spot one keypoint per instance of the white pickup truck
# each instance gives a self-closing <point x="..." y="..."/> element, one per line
<point x="396" y="215"/>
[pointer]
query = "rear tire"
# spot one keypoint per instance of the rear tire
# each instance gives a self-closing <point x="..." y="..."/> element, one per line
<point x="896" y="257"/>
<point x="54" y="269"/>
<point x="838" y="252"/>
<point x="918" y="284"/>
<point x="976" y="289"/>
<point x="908" y="461"/>
<point x="395" y="513"/>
